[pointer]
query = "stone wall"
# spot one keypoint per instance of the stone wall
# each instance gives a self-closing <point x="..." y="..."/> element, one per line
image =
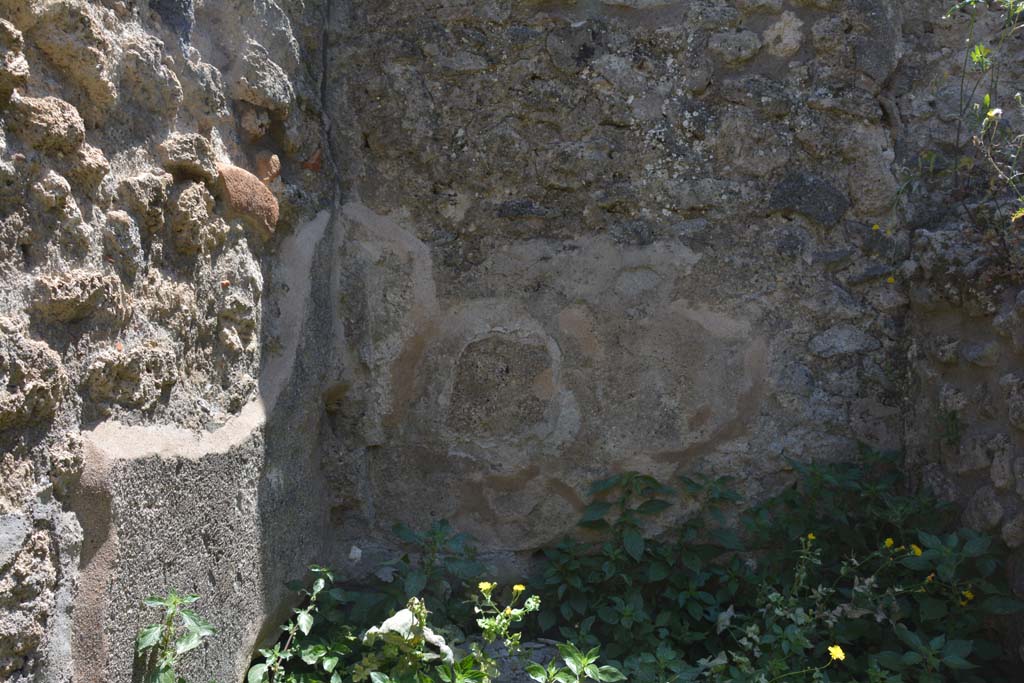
<point x="279" y="274"/>
<point x="588" y="237"/>
<point x="162" y="204"/>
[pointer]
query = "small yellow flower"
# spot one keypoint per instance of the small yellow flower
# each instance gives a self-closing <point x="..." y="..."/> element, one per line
<point x="836" y="652"/>
<point x="968" y="595"/>
<point x="518" y="588"/>
<point x="876" y="226"/>
<point x="811" y="536"/>
<point x="891" y="280"/>
<point x="508" y="610"/>
<point x="486" y="587"/>
<point x="916" y="549"/>
<point x="889" y="543"/>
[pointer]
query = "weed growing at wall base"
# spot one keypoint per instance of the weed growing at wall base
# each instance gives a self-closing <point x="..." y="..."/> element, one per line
<point x="160" y="647"/>
<point x="843" y="559"/>
<point x="843" y="577"/>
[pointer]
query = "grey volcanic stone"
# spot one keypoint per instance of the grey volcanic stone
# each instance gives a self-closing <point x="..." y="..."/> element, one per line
<point x="14" y="529"/>
<point x="843" y="340"/>
<point x="982" y="354"/>
<point x="810" y="196"/>
<point x="179" y="15"/>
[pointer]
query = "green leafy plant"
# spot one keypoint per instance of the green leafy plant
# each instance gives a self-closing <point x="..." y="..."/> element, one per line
<point x="316" y="639"/>
<point x="843" y="576"/>
<point x="403" y="649"/>
<point x="495" y="621"/>
<point x="989" y="170"/>
<point x="577" y="666"/>
<point x="438" y="565"/>
<point x="844" y="558"/>
<point x="160" y="647"/>
<point x="320" y="647"/>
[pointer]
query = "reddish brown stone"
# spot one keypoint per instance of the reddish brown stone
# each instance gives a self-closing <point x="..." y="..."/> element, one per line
<point x="246" y="196"/>
<point x="314" y="162"/>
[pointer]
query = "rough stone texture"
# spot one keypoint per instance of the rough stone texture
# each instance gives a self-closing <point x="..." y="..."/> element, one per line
<point x="963" y="432"/>
<point x="46" y="123"/>
<point x="810" y="196"/>
<point x="276" y="280"/>
<point x="14" y="70"/>
<point x="146" y="340"/>
<point x="190" y="155"/>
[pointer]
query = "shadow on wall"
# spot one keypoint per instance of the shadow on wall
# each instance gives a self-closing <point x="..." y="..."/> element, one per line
<point x="230" y="515"/>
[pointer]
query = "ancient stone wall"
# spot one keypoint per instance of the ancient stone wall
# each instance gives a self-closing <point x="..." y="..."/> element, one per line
<point x="593" y="236"/>
<point x="162" y="199"/>
<point x="278" y="274"/>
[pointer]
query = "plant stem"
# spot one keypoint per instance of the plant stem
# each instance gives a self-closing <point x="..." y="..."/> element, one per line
<point x="802" y="671"/>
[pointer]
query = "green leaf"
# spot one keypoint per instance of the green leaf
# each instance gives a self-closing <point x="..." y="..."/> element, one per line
<point x="597" y="524"/>
<point x="378" y="677"/>
<point x="310" y="655"/>
<point x="657" y="571"/>
<point x="932" y="609"/>
<point x="193" y="622"/>
<point x="189" y="641"/>
<point x="546" y="620"/>
<point x="998" y="604"/>
<point x="595" y="511"/>
<point x="653" y="506"/>
<point x="415" y="582"/>
<point x="891" y="660"/>
<point x="536" y="672"/>
<point x="602" y="485"/>
<point x="154" y="601"/>
<point x="256" y="673"/>
<point x="929" y="541"/>
<point x="957" y="662"/>
<point x="917" y="564"/>
<point x="329" y="663"/>
<point x="911" y="658"/>
<point x="907" y="636"/>
<point x="987" y="566"/>
<point x="609" y="674"/>
<point x="466" y="569"/>
<point x="633" y="542"/>
<point x="406" y="534"/>
<point x="977" y="546"/>
<point x="958" y="648"/>
<point x="305" y="620"/>
<point x="148" y="637"/>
